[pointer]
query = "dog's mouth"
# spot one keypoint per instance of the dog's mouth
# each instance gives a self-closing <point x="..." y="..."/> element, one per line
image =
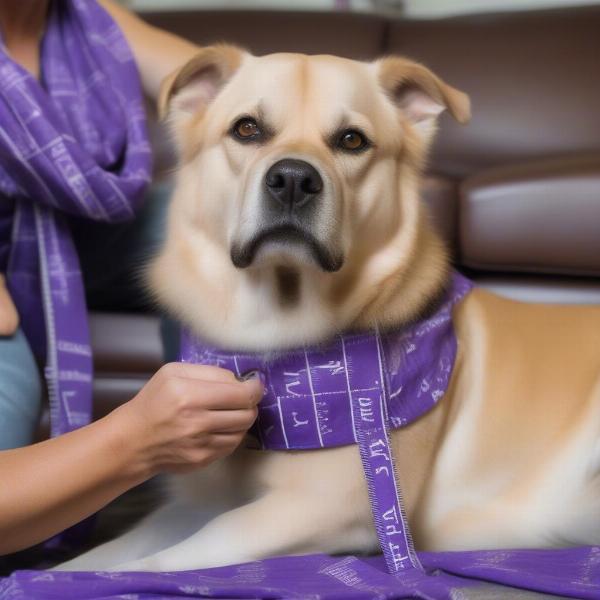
<point x="285" y="240"/>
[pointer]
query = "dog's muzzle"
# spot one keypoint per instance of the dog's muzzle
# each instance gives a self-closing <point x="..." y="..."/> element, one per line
<point x="290" y="218"/>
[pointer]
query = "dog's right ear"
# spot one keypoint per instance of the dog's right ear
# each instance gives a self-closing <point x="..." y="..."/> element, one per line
<point x="192" y="87"/>
<point x="420" y="95"/>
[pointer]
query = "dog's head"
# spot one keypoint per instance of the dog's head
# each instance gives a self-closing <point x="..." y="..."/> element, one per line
<point x="296" y="210"/>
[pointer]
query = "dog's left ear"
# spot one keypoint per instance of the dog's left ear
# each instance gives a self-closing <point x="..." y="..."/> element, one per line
<point x="192" y="87"/>
<point x="419" y="93"/>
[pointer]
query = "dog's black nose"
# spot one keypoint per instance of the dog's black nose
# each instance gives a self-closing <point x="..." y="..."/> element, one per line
<point x="293" y="182"/>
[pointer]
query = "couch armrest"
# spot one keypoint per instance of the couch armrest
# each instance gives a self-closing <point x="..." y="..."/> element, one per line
<point x="539" y="217"/>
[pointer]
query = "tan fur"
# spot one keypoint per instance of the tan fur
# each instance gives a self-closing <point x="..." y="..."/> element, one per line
<point x="510" y="457"/>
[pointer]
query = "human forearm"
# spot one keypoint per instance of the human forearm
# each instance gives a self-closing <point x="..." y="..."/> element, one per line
<point x="52" y="485"/>
<point x="184" y="418"/>
<point x="157" y="53"/>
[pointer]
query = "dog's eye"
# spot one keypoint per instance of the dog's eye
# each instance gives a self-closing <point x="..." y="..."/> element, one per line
<point x="352" y="141"/>
<point x="246" y="129"/>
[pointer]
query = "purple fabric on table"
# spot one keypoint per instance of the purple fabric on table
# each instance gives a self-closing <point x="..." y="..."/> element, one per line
<point x="573" y="573"/>
<point x="74" y="143"/>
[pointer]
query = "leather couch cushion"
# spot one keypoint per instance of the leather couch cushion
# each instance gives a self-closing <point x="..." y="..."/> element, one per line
<point x="543" y="217"/>
<point x="125" y="342"/>
<point x="441" y="196"/>
<point x="127" y="350"/>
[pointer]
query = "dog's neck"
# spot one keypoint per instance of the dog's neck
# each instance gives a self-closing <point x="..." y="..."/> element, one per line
<point x="407" y="294"/>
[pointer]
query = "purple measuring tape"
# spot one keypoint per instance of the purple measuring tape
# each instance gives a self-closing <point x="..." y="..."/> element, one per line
<point x="351" y="390"/>
<point x="371" y="423"/>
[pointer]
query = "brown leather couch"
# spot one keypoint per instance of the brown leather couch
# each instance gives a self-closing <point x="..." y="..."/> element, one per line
<point x="516" y="192"/>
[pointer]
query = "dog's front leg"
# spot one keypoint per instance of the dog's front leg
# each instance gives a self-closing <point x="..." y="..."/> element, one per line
<point x="166" y="526"/>
<point x="276" y="524"/>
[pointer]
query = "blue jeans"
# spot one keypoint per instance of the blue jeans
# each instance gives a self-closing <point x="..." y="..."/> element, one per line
<point x="112" y="258"/>
<point x="20" y="392"/>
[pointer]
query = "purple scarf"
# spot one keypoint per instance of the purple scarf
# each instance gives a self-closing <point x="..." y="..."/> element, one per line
<point x="76" y="144"/>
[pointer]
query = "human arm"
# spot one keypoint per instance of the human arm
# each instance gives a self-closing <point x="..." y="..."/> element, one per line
<point x="184" y="418"/>
<point x="9" y="318"/>
<point x="157" y="53"/>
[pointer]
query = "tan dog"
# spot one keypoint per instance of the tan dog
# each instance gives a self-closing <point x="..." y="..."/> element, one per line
<point x="297" y="215"/>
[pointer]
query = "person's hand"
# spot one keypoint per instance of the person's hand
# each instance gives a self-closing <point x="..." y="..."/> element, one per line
<point x="9" y="318"/>
<point x="189" y="415"/>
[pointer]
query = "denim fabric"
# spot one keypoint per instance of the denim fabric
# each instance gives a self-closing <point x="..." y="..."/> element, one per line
<point x="20" y="392"/>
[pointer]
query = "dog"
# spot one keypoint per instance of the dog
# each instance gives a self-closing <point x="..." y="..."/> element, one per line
<point x="295" y="216"/>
